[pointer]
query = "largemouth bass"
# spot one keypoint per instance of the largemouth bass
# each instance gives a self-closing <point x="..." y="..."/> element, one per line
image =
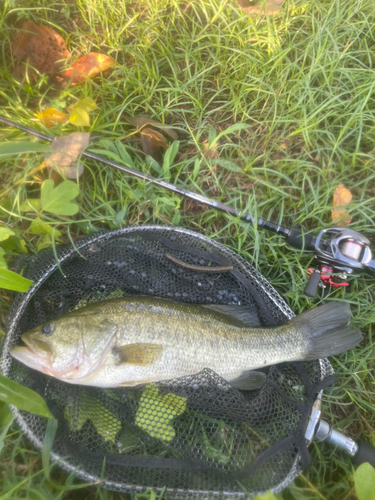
<point x="137" y="340"/>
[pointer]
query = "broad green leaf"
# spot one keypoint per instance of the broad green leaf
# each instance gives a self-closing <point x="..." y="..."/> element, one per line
<point x="79" y="117"/>
<point x="58" y="199"/>
<point x="176" y="218"/>
<point x="155" y="413"/>
<point x="40" y="227"/>
<point x="13" y="281"/>
<point x="229" y="130"/>
<point x="22" y="397"/>
<point x="5" y="232"/>
<point x="30" y="204"/>
<point x="12" y="148"/>
<point x="45" y="242"/>
<point x="364" y="480"/>
<point x="3" y="263"/>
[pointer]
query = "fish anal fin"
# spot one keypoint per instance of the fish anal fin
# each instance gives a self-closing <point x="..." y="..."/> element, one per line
<point x="248" y="381"/>
<point x="137" y="354"/>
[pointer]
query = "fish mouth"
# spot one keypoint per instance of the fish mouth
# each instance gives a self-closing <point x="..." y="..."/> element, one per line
<point x="34" y="354"/>
<point x="28" y="357"/>
<point x="37" y="346"/>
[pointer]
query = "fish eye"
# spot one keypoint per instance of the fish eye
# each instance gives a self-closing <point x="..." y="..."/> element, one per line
<point x="48" y="329"/>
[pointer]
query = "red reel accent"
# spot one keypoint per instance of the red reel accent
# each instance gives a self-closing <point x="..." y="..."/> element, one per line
<point x="326" y="278"/>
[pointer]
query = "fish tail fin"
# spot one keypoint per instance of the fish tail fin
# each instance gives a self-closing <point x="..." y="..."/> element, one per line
<point x="327" y="330"/>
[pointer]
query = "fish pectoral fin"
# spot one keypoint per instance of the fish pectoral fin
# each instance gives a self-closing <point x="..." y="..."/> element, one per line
<point x="248" y="315"/>
<point x="248" y="381"/>
<point x="137" y="354"/>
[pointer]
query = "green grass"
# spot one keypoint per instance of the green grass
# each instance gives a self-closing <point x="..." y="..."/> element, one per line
<point x="303" y="81"/>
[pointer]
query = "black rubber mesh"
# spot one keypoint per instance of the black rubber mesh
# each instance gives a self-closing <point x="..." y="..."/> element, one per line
<point x="196" y="436"/>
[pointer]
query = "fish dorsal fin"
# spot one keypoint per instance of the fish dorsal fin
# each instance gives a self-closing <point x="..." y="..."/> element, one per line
<point x="248" y="315"/>
<point x="248" y="381"/>
<point x="137" y="354"/>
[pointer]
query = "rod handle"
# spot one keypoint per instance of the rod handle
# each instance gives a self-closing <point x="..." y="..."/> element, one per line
<point x="298" y="239"/>
<point x="365" y="453"/>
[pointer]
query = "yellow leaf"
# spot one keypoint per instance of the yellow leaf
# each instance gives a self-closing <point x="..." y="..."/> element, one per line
<point x="88" y="66"/>
<point x="87" y="104"/>
<point x="51" y="116"/>
<point x="341" y="198"/>
<point x="79" y="117"/>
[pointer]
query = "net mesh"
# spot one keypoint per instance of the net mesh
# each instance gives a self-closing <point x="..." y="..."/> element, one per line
<point x="195" y="436"/>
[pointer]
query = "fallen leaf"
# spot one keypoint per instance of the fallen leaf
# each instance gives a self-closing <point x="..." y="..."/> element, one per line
<point x="79" y="112"/>
<point x="87" y="66"/>
<point x="51" y="116"/>
<point x="141" y="121"/>
<point x="268" y="7"/>
<point x="341" y="198"/>
<point x="152" y="142"/>
<point x="66" y="150"/>
<point x="39" y="49"/>
<point x="58" y="199"/>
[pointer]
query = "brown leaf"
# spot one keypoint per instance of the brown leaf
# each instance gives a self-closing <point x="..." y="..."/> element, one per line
<point x="67" y="148"/>
<point x="341" y="198"/>
<point x="41" y="48"/>
<point x="87" y="66"/>
<point x="141" y="121"/>
<point x="152" y="142"/>
<point x="51" y="116"/>
<point x="268" y="7"/>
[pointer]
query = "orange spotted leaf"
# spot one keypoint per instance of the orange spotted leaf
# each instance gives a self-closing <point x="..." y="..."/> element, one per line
<point x="87" y="66"/>
<point x="341" y="198"/>
<point x="51" y="116"/>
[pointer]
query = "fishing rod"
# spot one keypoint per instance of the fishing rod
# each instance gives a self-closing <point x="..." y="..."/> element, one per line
<point x="337" y="250"/>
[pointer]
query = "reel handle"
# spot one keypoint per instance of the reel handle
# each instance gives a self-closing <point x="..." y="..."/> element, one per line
<point x="313" y="283"/>
<point x="365" y="453"/>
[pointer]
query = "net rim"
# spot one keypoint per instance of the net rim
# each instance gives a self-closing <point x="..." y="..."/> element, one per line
<point x="22" y="300"/>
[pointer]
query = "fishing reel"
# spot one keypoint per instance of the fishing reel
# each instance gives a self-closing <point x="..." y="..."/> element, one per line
<point x="341" y="251"/>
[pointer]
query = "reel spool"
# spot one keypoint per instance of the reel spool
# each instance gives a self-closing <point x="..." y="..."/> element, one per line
<point x="219" y="442"/>
<point x="339" y="250"/>
<point x="344" y="250"/>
